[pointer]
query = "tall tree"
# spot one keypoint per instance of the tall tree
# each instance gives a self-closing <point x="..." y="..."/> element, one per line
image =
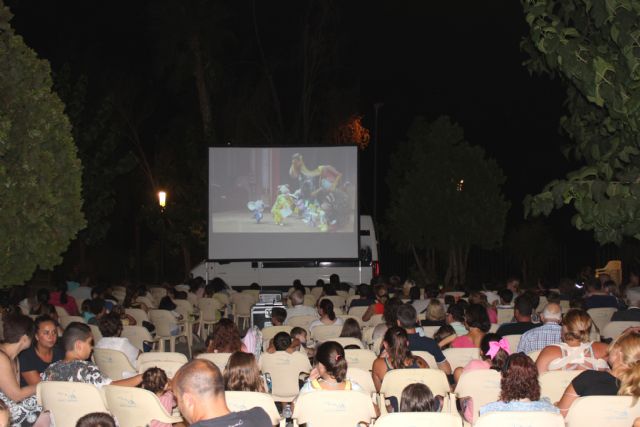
<point x="445" y="198"/>
<point x="40" y="173"/>
<point x="594" y="47"/>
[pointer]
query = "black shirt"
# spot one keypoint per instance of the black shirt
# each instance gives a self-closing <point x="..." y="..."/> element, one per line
<point x="30" y="361"/>
<point x="254" y="417"/>
<point x="418" y="343"/>
<point x="516" y="328"/>
<point x="427" y="322"/>
<point x="595" y="383"/>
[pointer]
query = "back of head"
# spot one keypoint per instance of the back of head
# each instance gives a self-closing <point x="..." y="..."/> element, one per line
<point x="334" y="279"/>
<point x="364" y="290"/>
<point x="627" y="348"/>
<point x="351" y="329"/>
<point x="42" y="296"/>
<point x="297" y="298"/>
<point x="331" y="355"/>
<point x="96" y="419"/>
<point x="523" y="305"/>
<point x="96" y="306"/>
<point x="390" y="313"/>
<point x="279" y="314"/>
<point x="506" y="295"/>
<point x="594" y="284"/>
<point x="242" y="373"/>
<point x="407" y="316"/>
<point x="418" y="397"/>
<point x="74" y="332"/>
<point x="110" y="325"/>
<point x="397" y="346"/>
<point x="15" y="326"/>
<point x="435" y="310"/>
<point x="476" y="317"/>
<point x="477" y="297"/>
<point x="457" y="312"/>
<point x="327" y="308"/>
<point x="282" y="341"/>
<point x="496" y="357"/>
<point x="519" y="379"/>
<point x="533" y="297"/>
<point x="576" y="326"/>
<point x="552" y="313"/>
<point x="154" y="379"/>
<point x="200" y="378"/>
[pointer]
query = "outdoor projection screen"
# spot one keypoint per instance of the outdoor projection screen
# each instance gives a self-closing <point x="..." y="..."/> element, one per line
<point x="283" y="203"/>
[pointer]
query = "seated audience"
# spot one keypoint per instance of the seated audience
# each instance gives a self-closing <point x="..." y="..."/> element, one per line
<point x="476" y="320"/>
<point x="93" y="310"/>
<point x="418" y="398"/>
<point x="77" y="340"/>
<point x="390" y="317"/>
<point x="351" y="329"/>
<point x="598" y="297"/>
<point x="298" y="308"/>
<point x="282" y="342"/>
<point x="506" y="298"/>
<point x="18" y="333"/>
<point x="522" y="311"/>
<point x="549" y="333"/>
<point x="632" y="313"/>
<point x="481" y="299"/>
<point x="96" y="419"/>
<point x="576" y="351"/>
<point x="435" y="314"/>
<point x="330" y="370"/>
<point x="381" y="297"/>
<point x="621" y="380"/>
<point x="155" y="380"/>
<point x="111" y="327"/>
<point x="278" y="316"/>
<point x="365" y="297"/>
<point x="396" y="355"/>
<point x="407" y="319"/>
<point x="519" y="388"/>
<point x="199" y="390"/>
<point x="60" y="298"/>
<point x="42" y="307"/>
<point x="444" y="336"/>
<point x="126" y="319"/>
<point x="43" y="352"/>
<point x="243" y="374"/>
<point x="494" y="350"/>
<point x="224" y="338"/>
<point x="455" y="317"/>
<point x="327" y="315"/>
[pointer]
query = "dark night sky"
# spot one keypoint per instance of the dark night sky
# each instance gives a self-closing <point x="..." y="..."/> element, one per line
<point x="460" y="58"/>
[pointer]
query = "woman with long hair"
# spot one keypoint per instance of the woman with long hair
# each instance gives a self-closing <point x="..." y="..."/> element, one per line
<point x="519" y="388"/>
<point x="327" y="315"/>
<point x="351" y="329"/>
<point x="395" y="355"/>
<point x="477" y="323"/>
<point x="330" y="370"/>
<point x="243" y="374"/>
<point x="623" y="379"/>
<point x="418" y="398"/>
<point x="576" y="352"/>
<point x="224" y="338"/>
<point x="42" y="353"/>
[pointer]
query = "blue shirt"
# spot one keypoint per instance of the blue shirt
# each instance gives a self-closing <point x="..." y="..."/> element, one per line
<point x="540" y="337"/>
<point x="421" y="343"/>
<point x="543" y="405"/>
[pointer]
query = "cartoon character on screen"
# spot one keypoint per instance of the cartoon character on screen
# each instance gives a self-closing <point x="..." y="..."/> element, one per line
<point x="283" y="206"/>
<point x="256" y="209"/>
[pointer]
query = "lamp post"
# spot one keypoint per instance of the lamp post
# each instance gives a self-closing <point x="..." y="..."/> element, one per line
<point x="162" y="201"/>
<point x="377" y="106"/>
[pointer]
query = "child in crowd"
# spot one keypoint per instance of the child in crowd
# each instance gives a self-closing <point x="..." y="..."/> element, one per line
<point x="444" y="335"/>
<point x="93" y="310"/>
<point x="96" y="419"/>
<point x="455" y="318"/>
<point x="299" y="340"/>
<point x="278" y="316"/>
<point x="155" y="380"/>
<point x="506" y="299"/>
<point x="419" y="398"/>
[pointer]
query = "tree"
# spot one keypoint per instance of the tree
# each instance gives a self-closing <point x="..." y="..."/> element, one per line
<point x="40" y="174"/>
<point x="534" y="247"/>
<point x="594" y="47"/>
<point x="445" y="198"/>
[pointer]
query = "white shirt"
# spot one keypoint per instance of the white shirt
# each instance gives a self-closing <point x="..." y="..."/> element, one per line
<point x="337" y="322"/>
<point x="300" y="310"/>
<point x="120" y="344"/>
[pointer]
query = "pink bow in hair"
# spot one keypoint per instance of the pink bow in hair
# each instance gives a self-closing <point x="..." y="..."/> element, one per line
<point x="496" y="346"/>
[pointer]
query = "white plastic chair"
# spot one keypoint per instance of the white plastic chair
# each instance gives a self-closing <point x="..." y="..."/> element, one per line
<point x="112" y="363"/>
<point x="270" y="331"/>
<point x="136" y="407"/>
<point x="241" y="308"/>
<point x="157" y="293"/>
<point x="165" y="323"/>
<point x="430" y="331"/>
<point x="505" y="315"/>
<point x="66" y="320"/>
<point x="482" y="385"/>
<point x="218" y="359"/>
<point x="162" y="356"/>
<point x="534" y="354"/>
<point x="513" y="340"/>
<point x="345" y="341"/>
<point x="61" y="311"/>
<point x="602" y="411"/>
<point x="601" y="316"/>
<point x="95" y="331"/>
<point x="554" y="383"/>
<point x="209" y="314"/>
<point x="337" y="300"/>
<point x="361" y="359"/>
<point x="615" y="329"/>
<point x="427" y="357"/>
<point x="69" y="401"/>
<point x="324" y="333"/>
<point x="137" y="336"/>
<point x="301" y="321"/>
<point x="285" y="369"/>
<point x="170" y="367"/>
<point x="242" y="400"/>
<point x="363" y="379"/>
<point x="517" y="418"/>
<point x="138" y="314"/>
<point x="459" y="357"/>
<point x="333" y="408"/>
<point x="419" y="419"/>
<point x="396" y="380"/>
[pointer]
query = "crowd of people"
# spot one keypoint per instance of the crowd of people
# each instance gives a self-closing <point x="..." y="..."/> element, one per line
<point x="36" y="348"/>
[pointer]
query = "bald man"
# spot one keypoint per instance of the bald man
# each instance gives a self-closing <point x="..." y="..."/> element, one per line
<point x="199" y="390"/>
<point x="547" y="334"/>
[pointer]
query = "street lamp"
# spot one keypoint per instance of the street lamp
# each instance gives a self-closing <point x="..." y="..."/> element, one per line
<point x="162" y="201"/>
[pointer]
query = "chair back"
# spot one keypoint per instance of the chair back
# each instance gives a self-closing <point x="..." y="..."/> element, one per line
<point x="301" y="321"/>
<point x="69" y="401"/>
<point x="162" y="356"/>
<point x="505" y="315"/>
<point x="554" y="383"/>
<point x="363" y="378"/>
<point x="316" y="291"/>
<point x="184" y="308"/>
<point x="482" y="385"/>
<point x="615" y="329"/>
<point x="170" y="367"/>
<point x="396" y="380"/>
<point x="137" y="335"/>
<point x="66" y="320"/>
<point x="270" y="331"/>
<point x="210" y="309"/>
<point x="337" y="300"/>
<point x="517" y="418"/>
<point x="324" y="333"/>
<point x="604" y="411"/>
<point x="242" y="400"/>
<point x="218" y="359"/>
<point x="157" y="294"/>
<point x="357" y="312"/>
<point x="284" y="369"/>
<point x="513" y="340"/>
<point x="459" y="357"/>
<point x="601" y="316"/>
<point x="430" y="331"/>
<point x="334" y="408"/>
<point x="309" y="300"/>
<point x="375" y="320"/>
<point x="164" y="322"/>
<point x="136" y="407"/>
<point x="419" y="419"/>
<point x="138" y="314"/>
<point x="61" y="311"/>
<point x="95" y="331"/>
<point x="427" y="357"/>
<point x="361" y="359"/>
<point x="146" y="301"/>
<point x="112" y="363"/>
<point x="242" y="303"/>
<point x="345" y="341"/>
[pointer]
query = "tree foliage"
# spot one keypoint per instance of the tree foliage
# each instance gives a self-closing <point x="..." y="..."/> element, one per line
<point x="594" y="46"/>
<point x="40" y="174"/>
<point x="445" y="196"/>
